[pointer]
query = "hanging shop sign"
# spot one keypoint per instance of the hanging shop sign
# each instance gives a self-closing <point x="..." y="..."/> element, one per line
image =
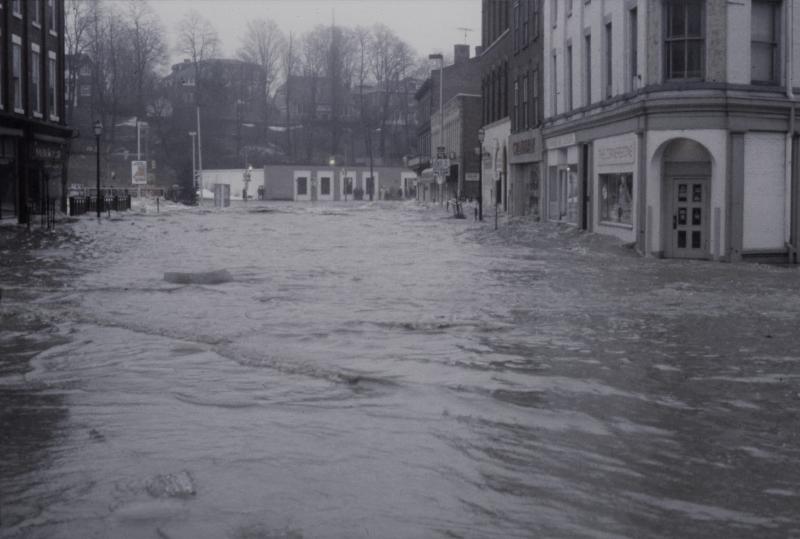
<point x="43" y="151"/>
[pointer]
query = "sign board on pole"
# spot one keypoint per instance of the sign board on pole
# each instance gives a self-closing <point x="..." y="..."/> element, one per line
<point x="139" y="172"/>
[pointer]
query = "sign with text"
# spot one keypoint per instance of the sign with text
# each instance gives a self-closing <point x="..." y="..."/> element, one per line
<point x="139" y="172"/>
<point x="472" y="177"/>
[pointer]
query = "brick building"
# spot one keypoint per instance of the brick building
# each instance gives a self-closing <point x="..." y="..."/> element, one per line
<point x="33" y="130"/>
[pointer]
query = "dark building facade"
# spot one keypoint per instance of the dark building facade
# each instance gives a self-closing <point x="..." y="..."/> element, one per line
<point x="525" y="108"/>
<point x="33" y="131"/>
<point x="494" y="77"/>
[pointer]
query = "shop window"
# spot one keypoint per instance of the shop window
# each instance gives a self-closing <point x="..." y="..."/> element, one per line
<point x="348" y="185"/>
<point x="325" y="186"/>
<point x="764" y="31"/>
<point x="684" y="44"/>
<point x="616" y="198"/>
<point x="302" y="186"/>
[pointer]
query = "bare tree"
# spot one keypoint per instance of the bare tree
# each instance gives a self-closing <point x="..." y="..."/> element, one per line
<point x="264" y="44"/>
<point x="148" y="51"/>
<point x="290" y="62"/>
<point x="197" y="39"/>
<point x="77" y="42"/>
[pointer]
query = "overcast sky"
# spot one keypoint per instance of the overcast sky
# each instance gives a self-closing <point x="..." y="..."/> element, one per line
<point x="427" y="25"/>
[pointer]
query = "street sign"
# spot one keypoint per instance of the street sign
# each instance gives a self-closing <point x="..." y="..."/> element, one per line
<point x="139" y="172"/>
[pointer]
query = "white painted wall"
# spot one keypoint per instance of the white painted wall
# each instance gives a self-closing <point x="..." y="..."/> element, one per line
<point x="764" y="191"/>
<point x="738" y="42"/>
<point x="302" y="174"/>
<point x="234" y="178"/>
<point x="325" y="174"/>
<point x="716" y="142"/>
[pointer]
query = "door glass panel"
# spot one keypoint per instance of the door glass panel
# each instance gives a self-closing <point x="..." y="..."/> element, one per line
<point x="682" y="192"/>
<point x="697" y="192"/>
<point x="697" y="216"/>
<point x="682" y="239"/>
<point x="696" y="239"/>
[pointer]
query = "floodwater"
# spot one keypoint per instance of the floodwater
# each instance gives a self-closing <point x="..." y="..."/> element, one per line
<point x="382" y="370"/>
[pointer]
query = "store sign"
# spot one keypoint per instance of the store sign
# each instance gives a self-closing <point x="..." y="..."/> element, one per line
<point x="47" y="152"/>
<point x="472" y="177"/>
<point x="527" y="145"/>
<point x="560" y="142"/>
<point x="616" y="154"/>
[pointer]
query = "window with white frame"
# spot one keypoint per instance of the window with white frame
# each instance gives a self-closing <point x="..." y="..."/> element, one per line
<point x="764" y="33"/>
<point x="609" y="66"/>
<point x="51" y="16"/>
<point x="633" y="49"/>
<point x="684" y="42"/>
<point x="325" y="186"/>
<point x="36" y="17"/>
<point x="587" y="68"/>
<point x="568" y="78"/>
<point x="16" y="8"/>
<point x="535" y="98"/>
<point x="525" y="113"/>
<point x="616" y="198"/>
<point x="52" y="86"/>
<point x="16" y="73"/>
<point x="36" y="80"/>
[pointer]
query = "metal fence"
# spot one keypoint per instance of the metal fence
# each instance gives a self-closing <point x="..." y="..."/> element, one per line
<point x="79" y="205"/>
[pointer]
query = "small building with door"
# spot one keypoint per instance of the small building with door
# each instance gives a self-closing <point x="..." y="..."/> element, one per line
<point x="335" y="183"/>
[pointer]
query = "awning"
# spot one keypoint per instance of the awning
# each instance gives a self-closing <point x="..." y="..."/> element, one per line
<point x="427" y="175"/>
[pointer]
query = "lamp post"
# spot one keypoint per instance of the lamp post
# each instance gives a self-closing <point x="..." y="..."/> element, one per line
<point x="481" y="137"/>
<point x="98" y="130"/>
<point x="441" y="111"/>
<point x="194" y="170"/>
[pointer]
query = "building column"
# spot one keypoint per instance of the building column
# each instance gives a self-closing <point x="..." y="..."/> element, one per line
<point x="794" y="237"/>
<point x="641" y="192"/>
<point x="735" y="197"/>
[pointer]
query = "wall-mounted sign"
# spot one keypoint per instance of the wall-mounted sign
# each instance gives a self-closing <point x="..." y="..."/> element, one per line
<point x="560" y="141"/>
<point x="615" y="151"/>
<point x="472" y="177"/>
<point x="139" y="172"/>
<point x="46" y="152"/>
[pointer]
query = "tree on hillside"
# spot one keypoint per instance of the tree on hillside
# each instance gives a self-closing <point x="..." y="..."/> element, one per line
<point x="289" y="61"/>
<point x="76" y="42"/>
<point x="197" y="39"/>
<point x="264" y="43"/>
<point x="147" y="51"/>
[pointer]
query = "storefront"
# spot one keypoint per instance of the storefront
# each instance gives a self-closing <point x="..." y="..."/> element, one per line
<point x="9" y="165"/>
<point x="615" y="179"/>
<point x="495" y="165"/>
<point x="562" y="179"/>
<point x="524" y="196"/>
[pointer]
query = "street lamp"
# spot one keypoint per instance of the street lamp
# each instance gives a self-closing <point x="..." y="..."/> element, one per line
<point x="481" y="137"/>
<point x="98" y="130"/>
<point x="194" y="170"/>
<point x="441" y="110"/>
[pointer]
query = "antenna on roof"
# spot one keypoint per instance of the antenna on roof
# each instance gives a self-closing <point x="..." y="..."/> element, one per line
<point x="465" y="30"/>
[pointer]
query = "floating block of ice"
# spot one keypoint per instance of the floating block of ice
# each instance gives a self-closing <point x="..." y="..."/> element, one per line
<point x="203" y="277"/>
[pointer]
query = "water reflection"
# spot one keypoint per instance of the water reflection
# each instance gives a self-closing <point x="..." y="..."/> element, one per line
<point x="381" y="371"/>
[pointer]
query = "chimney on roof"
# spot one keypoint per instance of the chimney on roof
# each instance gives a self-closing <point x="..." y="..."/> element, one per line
<point x="460" y="54"/>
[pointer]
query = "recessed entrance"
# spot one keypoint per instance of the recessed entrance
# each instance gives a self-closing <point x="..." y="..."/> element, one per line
<point x="686" y="195"/>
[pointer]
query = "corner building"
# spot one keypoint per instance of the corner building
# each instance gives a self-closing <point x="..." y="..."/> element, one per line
<point x="671" y="124"/>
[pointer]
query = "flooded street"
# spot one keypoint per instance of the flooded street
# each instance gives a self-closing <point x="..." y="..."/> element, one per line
<point x="382" y="370"/>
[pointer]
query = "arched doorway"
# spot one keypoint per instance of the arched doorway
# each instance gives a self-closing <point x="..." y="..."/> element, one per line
<point x="686" y="167"/>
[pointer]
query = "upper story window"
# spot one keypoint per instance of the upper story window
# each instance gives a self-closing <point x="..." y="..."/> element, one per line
<point x="36" y="80"/>
<point x="569" y="7"/>
<point x="2" y="72"/>
<point x="536" y="10"/>
<point x="16" y="8"/>
<point x="36" y="17"/>
<point x="52" y="86"/>
<point x="517" y="34"/>
<point x="684" y="41"/>
<point x="554" y="12"/>
<point x="764" y="32"/>
<point x="16" y="73"/>
<point x="526" y="19"/>
<point x="535" y="98"/>
<point x="51" y="16"/>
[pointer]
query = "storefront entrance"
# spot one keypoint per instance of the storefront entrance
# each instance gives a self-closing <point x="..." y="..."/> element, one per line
<point x="689" y="211"/>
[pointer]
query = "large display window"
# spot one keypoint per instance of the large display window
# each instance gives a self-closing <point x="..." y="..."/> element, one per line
<point x="616" y="198"/>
